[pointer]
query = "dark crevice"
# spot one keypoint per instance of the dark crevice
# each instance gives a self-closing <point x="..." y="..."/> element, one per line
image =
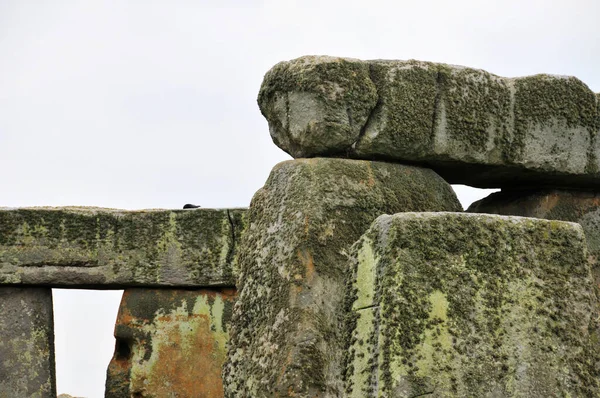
<point x="424" y="394"/>
<point x="367" y="307"/>
<point x="63" y="263"/>
<point x="373" y="112"/>
<point x="231" y="248"/>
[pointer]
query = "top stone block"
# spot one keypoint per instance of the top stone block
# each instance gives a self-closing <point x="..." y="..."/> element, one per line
<point x="470" y="126"/>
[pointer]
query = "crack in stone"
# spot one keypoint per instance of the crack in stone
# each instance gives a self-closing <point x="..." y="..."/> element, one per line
<point x="376" y="108"/>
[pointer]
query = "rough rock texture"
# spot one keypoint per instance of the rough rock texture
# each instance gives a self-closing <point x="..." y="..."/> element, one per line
<point x="457" y="305"/>
<point x="106" y="248"/>
<point x="470" y="126"/>
<point x="170" y="343"/>
<point x="286" y="339"/>
<point x="576" y="206"/>
<point x="26" y="343"/>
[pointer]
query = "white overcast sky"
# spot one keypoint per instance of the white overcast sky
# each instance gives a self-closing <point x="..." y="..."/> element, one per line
<point x="144" y="104"/>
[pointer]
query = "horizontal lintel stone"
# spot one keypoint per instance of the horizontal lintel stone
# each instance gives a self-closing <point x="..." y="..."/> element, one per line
<point x="107" y="248"/>
<point x="470" y="126"/>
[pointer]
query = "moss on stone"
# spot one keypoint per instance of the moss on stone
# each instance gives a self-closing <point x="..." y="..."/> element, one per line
<point x="286" y="335"/>
<point x="88" y="246"/>
<point x="475" y="305"/>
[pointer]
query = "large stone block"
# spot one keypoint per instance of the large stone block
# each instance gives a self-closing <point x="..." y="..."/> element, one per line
<point x="472" y="305"/>
<point x="286" y="338"/>
<point x="107" y="248"/>
<point x="170" y="343"/>
<point x="470" y="126"/>
<point x="26" y="343"/>
<point x="552" y="204"/>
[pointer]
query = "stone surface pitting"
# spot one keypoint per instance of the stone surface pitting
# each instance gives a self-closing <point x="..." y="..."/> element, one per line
<point x="470" y="126"/>
<point x="107" y="248"/>
<point x="26" y="343"/>
<point x="456" y="305"/>
<point x="286" y="338"/>
<point x="170" y="343"/>
<point x="551" y="204"/>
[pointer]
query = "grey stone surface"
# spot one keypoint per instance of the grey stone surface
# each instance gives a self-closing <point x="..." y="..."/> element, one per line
<point x="472" y="305"/>
<point x="286" y="338"/>
<point x="552" y="204"/>
<point x="470" y="126"/>
<point x="107" y="248"/>
<point x="26" y="343"/>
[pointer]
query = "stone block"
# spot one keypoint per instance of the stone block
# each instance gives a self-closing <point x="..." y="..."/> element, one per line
<point x="457" y="305"/>
<point x="170" y="343"/>
<point x="26" y="343"/>
<point x="107" y="248"/>
<point x="286" y="338"/>
<point x="470" y="126"/>
<point x="551" y="204"/>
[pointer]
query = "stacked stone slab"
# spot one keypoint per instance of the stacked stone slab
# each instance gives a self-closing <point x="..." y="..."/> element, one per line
<point x="470" y="126"/>
<point x="287" y="330"/>
<point x="471" y="305"/>
<point x="290" y="325"/>
<point x="170" y="343"/>
<point x="109" y="248"/>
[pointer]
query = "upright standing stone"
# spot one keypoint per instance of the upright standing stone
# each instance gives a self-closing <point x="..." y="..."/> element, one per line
<point x="170" y="343"/>
<point x="552" y="204"/>
<point x="471" y="305"/>
<point x="286" y="338"/>
<point x="470" y="126"/>
<point x="26" y="343"/>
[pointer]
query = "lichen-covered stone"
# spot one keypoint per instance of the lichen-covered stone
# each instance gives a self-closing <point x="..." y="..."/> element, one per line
<point x="286" y="338"/>
<point x="26" y="343"/>
<point x="316" y="104"/>
<point x="170" y="343"/>
<point x="115" y="248"/>
<point x="472" y="305"/>
<point x="470" y="126"/>
<point x="552" y="204"/>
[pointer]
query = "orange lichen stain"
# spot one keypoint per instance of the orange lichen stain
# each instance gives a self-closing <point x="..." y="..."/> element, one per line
<point x="308" y="263"/>
<point x="180" y="349"/>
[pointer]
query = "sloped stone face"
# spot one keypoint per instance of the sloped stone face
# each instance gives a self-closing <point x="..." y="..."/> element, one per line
<point x="456" y="305"/>
<point x="470" y="126"/>
<point x="170" y="343"/>
<point x="551" y="204"/>
<point x="115" y="248"/>
<point x="286" y="337"/>
<point x="26" y="343"/>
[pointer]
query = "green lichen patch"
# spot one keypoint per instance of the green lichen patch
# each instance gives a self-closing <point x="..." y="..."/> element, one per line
<point x="475" y="305"/>
<point x="110" y="248"/>
<point x="286" y="337"/>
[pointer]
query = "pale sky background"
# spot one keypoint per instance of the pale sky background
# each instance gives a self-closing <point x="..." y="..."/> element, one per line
<point x="144" y="104"/>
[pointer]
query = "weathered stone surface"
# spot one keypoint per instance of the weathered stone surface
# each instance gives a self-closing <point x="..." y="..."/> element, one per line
<point x="107" y="248"/>
<point x="26" y="343"/>
<point x="552" y="204"/>
<point x="470" y="126"/>
<point x="170" y="343"/>
<point x="286" y="339"/>
<point x="457" y="305"/>
<point x="317" y="105"/>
